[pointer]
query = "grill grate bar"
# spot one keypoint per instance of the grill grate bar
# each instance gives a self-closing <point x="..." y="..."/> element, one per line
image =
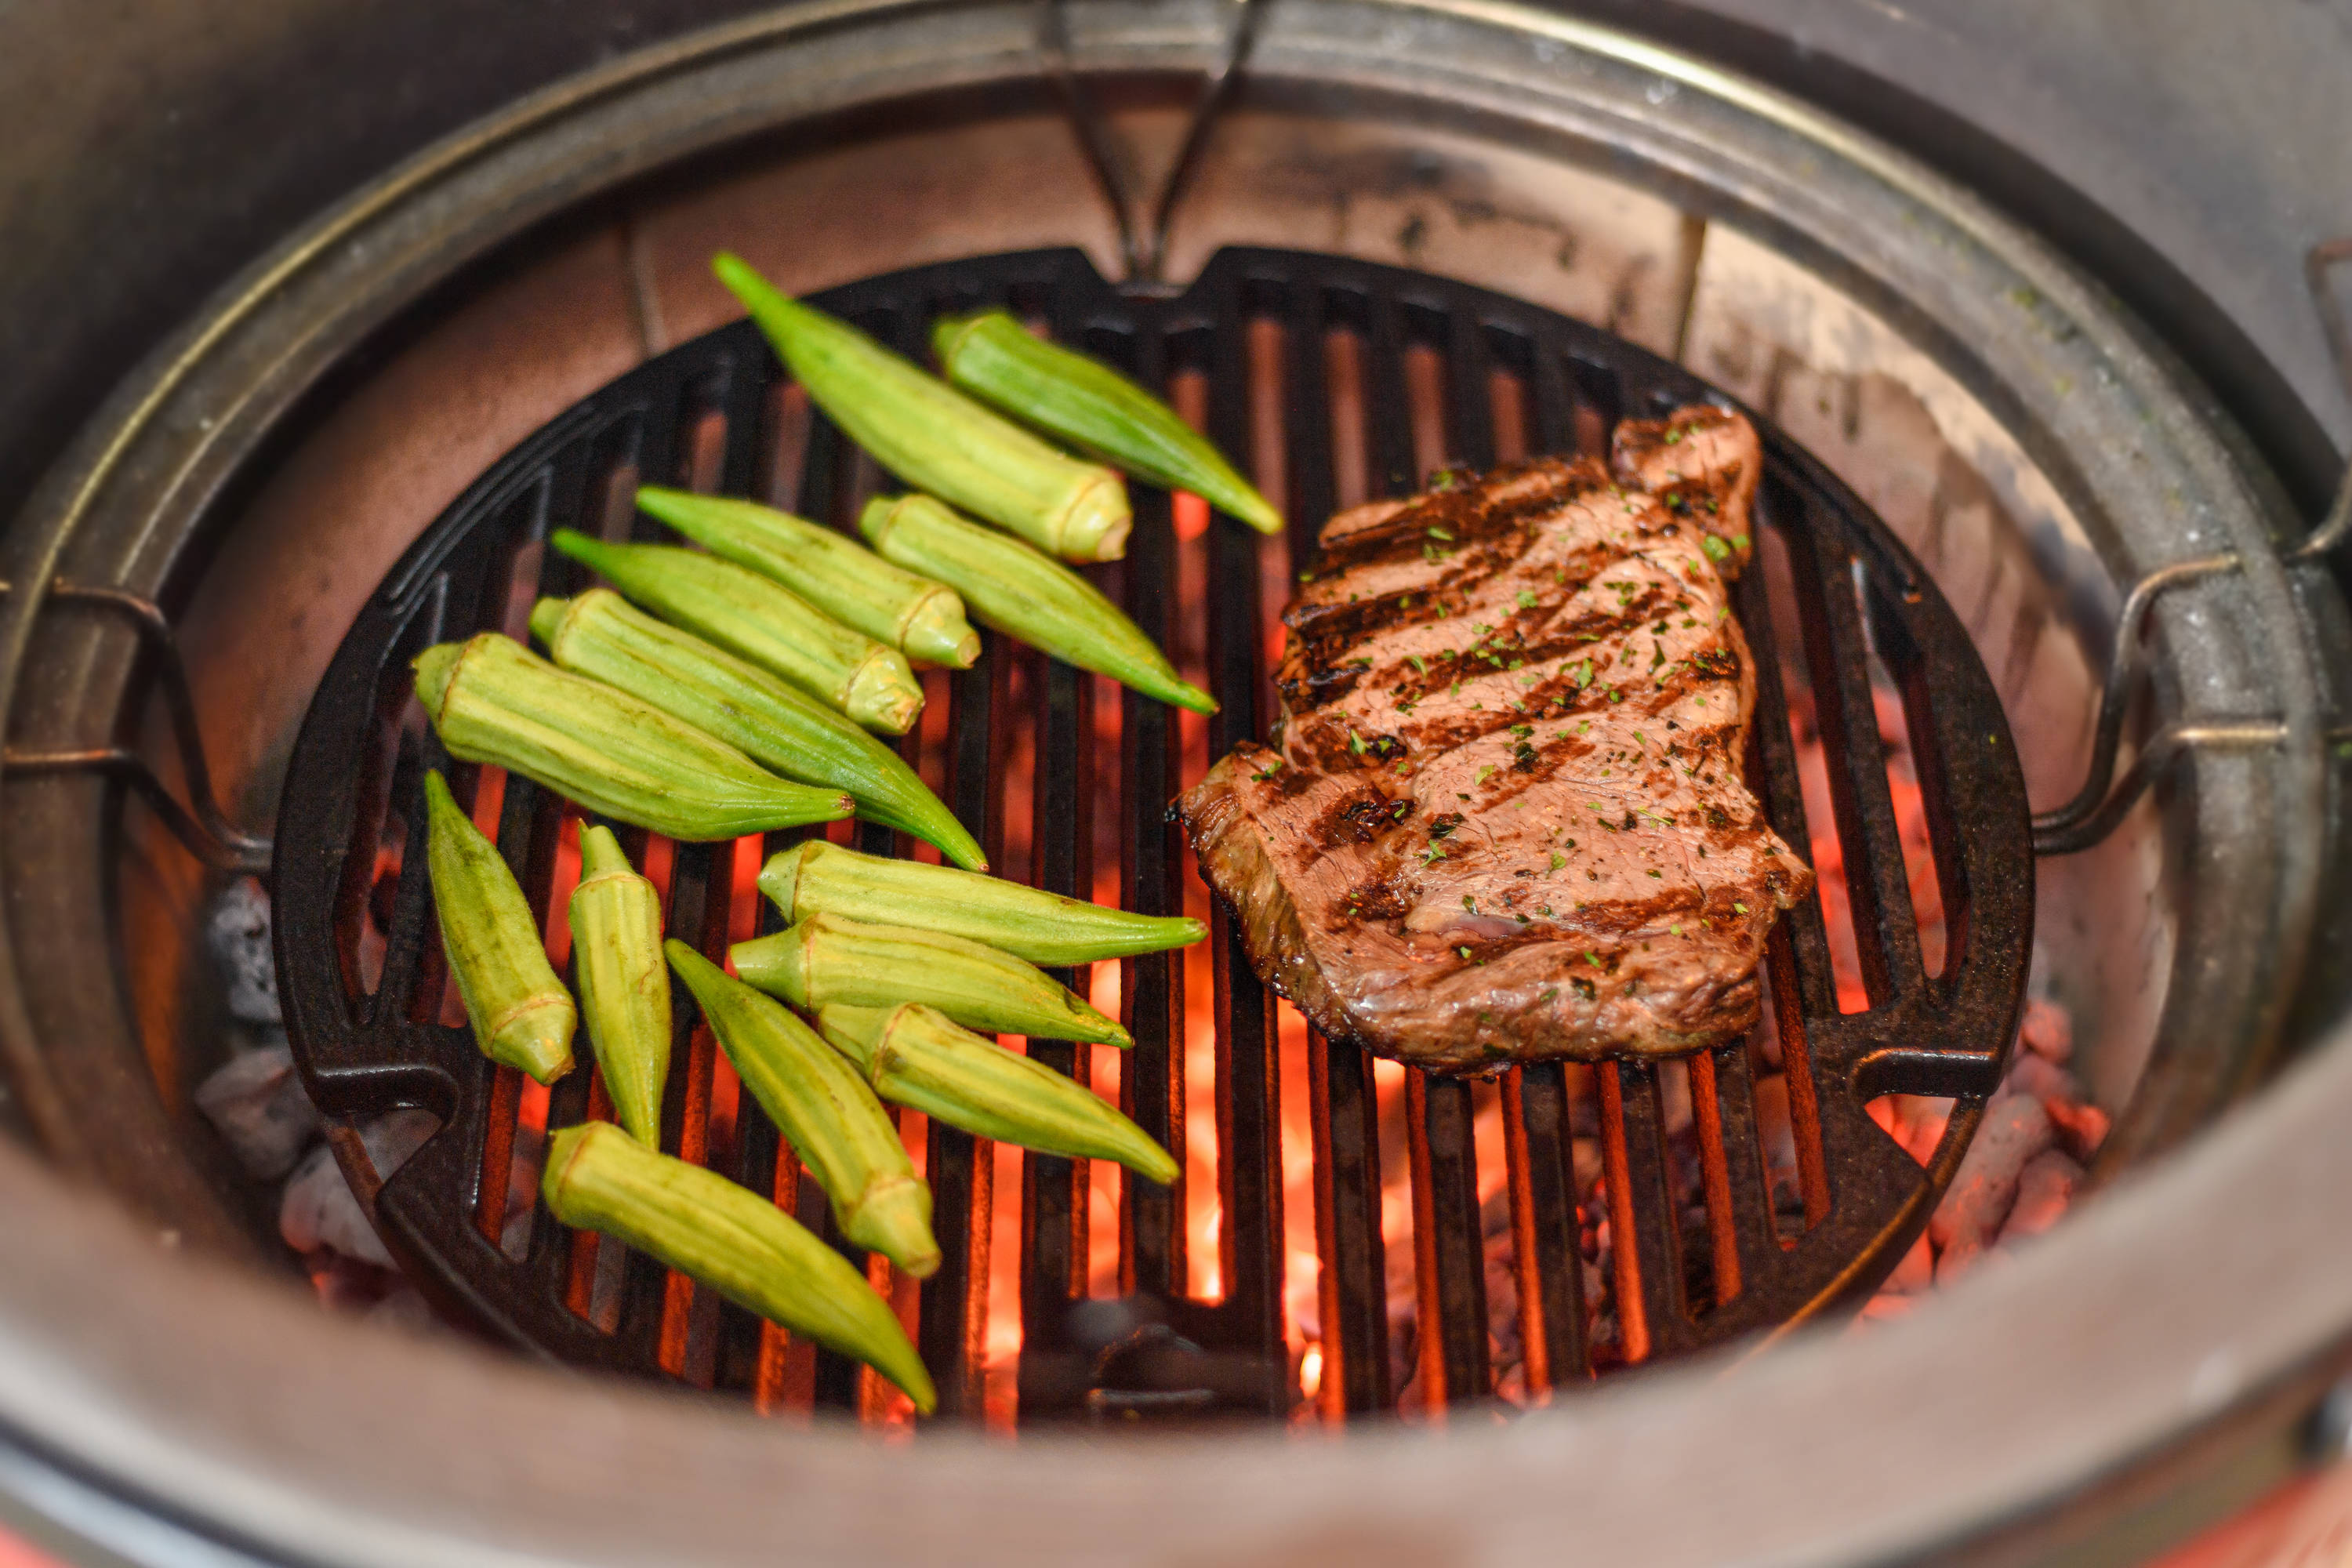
<point x="1409" y="368"/>
<point x="1550" y="1277"/>
<point x="1885" y="928"/>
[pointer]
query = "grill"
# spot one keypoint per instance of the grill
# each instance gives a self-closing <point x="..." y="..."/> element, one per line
<point x="1341" y="377"/>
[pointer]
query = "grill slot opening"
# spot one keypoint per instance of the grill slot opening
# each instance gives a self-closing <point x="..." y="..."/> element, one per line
<point x="1347" y="1236"/>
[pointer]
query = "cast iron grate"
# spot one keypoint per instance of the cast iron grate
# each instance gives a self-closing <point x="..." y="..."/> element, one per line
<point x="1333" y="379"/>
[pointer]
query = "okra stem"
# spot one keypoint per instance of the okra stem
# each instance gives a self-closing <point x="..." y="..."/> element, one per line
<point x="1042" y="928"/>
<point x="492" y="700"/>
<point x="1020" y="591"/>
<point x="520" y="1013"/>
<point x="764" y="622"/>
<point x="825" y="961"/>
<point x="616" y="952"/>
<point x="736" y="1242"/>
<point x="1094" y="409"/>
<point x="837" y="1127"/>
<point x="917" y="1055"/>
<point x="932" y="436"/>
<point x="921" y="618"/>
<point x="602" y="635"/>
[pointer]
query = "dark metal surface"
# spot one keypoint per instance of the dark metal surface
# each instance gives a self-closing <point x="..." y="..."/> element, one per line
<point x="352" y="799"/>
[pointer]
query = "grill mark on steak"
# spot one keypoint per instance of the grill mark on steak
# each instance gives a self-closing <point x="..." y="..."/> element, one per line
<point x="1507" y="820"/>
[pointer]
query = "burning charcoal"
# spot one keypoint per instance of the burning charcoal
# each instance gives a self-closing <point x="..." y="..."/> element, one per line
<point x="319" y="1210"/>
<point x="2015" y="1129"/>
<point x="2045" y="1189"/>
<point x="2042" y="1078"/>
<point x="257" y="1102"/>
<point x="2081" y="1128"/>
<point x="2047" y="1030"/>
<point x="238" y="930"/>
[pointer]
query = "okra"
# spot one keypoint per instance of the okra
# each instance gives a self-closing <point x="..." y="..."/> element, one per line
<point x="616" y="952"/>
<point x="935" y="437"/>
<point x="920" y="619"/>
<point x="1020" y="591"/>
<point x="826" y="961"/>
<point x="602" y="635"/>
<point x="492" y="700"/>
<point x="741" y="1245"/>
<point x="837" y="1127"/>
<point x="521" y="1012"/>
<point x="764" y="622"/>
<point x="918" y="1056"/>
<point x="1087" y="405"/>
<point x="1042" y="928"/>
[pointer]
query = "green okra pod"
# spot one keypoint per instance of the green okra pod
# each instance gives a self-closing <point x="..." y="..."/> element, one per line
<point x="762" y="621"/>
<point x="741" y="1245"/>
<point x="493" y="701"/>
<point x="826" y="961"/>
<point x="1091" y="406"/>
<point x="602" y="635"/>
<point x="1044" y="927"/>
<point x="921" y="618"/>
<point x="918" y="1056"/>
<point x="1020" y="591"/>
<point x="933" y="437"/>
<point x="521" y="1012"/>
<point x="616" y="953"/>
<point x="840" y="1130"/>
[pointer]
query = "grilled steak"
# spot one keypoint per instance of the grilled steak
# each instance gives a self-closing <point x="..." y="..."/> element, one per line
<point x="1504" y="818"/>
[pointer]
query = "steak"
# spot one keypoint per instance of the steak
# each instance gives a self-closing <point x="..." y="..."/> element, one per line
<point x="1504" y="817"/>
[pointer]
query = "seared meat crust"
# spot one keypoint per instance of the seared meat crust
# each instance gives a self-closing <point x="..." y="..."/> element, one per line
<point x="1505" y="817"/>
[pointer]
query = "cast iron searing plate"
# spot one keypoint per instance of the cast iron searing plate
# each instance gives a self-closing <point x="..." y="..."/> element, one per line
<point x="1709" y="1261"/>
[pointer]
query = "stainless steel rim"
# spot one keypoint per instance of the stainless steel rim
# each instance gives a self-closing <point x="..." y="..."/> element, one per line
<point x="126" y="502"/>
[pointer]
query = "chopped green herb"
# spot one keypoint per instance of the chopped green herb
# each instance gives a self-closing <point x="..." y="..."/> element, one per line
<point x="1526" y="599"/>
<point x="1740" y="908"/>
<point x="1463" y="951"/>
<point x="1558" y="860"/>
<point x="1716" y="550"/>
<point x="1661" y="876"/>
<point x="1436" y="532"/>
<point x="1484" y="772"/>
<point x="1418" y="662"/>
<point x="1469" y="904"/>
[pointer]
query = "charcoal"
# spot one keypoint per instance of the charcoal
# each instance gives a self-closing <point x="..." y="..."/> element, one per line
<point x="2081" y="1128"/>
<point x="2045" y="1189"/>
<point x="2015" y="1129"/>
<point x="239" y="932"/>
<point x="2040" y="1078"/>
<point x="2047" y="1030"/>
<point x="320" y="1209"/>
<point x="255" y="1101"/>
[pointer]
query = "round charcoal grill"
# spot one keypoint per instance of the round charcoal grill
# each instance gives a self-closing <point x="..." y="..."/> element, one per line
<point x="372" y="1035"/>
<point x="2081" y="504"/>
